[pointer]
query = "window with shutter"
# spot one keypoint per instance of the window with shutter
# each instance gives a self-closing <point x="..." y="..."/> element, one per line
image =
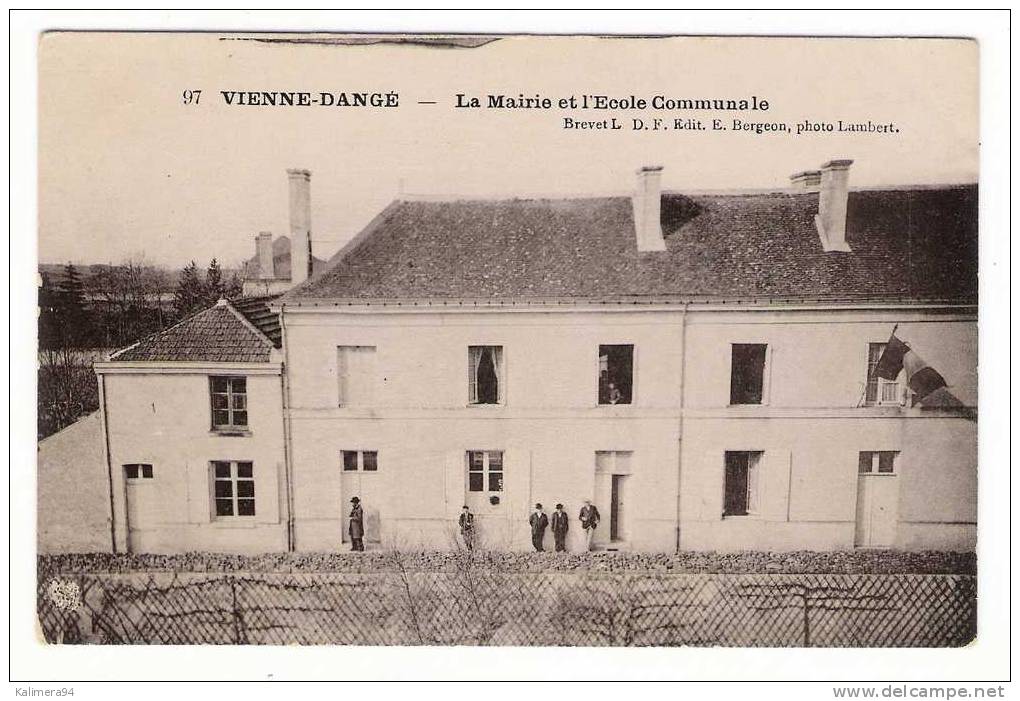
<point x="742" y="490"/>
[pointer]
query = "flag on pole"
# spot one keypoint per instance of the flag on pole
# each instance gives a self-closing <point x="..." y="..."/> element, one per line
<point x="926" y="383"/>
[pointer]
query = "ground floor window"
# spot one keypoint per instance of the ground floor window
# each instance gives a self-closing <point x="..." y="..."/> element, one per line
<point x="485" y="470"/>
<point x="234" y="488"/>
<point x="741" y="493"/>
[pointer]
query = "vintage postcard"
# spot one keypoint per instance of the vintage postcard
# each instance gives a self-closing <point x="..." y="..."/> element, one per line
<point x="497" y="340"/>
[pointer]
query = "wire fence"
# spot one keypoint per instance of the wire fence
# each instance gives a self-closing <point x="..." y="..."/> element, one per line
<point x="475" y="605"/>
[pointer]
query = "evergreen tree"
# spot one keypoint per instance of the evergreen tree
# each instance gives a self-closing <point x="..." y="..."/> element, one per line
<point x="189" y="296"/>
<point x="73" y="324"/>
<point x="234" y="287"/>
<point x="214" y="286"/>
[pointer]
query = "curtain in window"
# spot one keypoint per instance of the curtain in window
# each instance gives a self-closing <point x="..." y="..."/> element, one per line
<point x="488" y="380"/>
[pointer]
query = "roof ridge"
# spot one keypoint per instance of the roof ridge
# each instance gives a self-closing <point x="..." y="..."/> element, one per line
<point x="155" y="334"/>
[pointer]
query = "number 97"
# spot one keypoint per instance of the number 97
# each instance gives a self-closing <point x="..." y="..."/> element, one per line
<point x="191" y="97"/>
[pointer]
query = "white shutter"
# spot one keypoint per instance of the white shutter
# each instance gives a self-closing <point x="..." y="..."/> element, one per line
<point x="497" y="361"/>
<point x="267" y="491"/>
<point x="341" y="376"/>
<point x="755" y="465"/>
<point x="776" y="477"/>
<point x="454" y="471"/>
<point x="199" y="493"/>
<point x="474" y="358"/>
<point x="517" y="489"/>
<point x="707" y="482"/>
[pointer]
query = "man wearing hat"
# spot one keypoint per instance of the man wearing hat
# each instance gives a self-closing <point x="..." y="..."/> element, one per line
<point x="356" y="529"/>
<point x="560" y="523"/>
<point x="539" y="522"/>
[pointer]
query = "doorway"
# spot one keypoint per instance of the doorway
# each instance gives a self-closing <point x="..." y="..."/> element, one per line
<point x="359" y="478"/>
<point x="877" y="500"/>
<point x="140" y="503"/>
<point x="617" y="509"/>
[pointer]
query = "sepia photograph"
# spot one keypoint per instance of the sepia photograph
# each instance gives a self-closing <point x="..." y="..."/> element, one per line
<point x="470" y="340"/>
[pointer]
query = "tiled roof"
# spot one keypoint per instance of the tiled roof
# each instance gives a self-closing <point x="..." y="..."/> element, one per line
<point x="257" y="311"/>
<point x="281" y="262"/>
<point x="906" y="243"/>
<point x="216" y="334"/>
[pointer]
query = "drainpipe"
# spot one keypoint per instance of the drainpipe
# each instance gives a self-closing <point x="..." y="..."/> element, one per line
<point x="287" y="467"/>
<point x="680" y="444"/>
<point x="109" y="464"/>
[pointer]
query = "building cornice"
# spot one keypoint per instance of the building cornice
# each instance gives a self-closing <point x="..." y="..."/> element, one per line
<point x="327" y="306"/>
<point x="152" y="367"/>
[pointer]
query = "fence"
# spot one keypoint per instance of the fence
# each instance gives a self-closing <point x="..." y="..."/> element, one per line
<point x="479" y="606"/>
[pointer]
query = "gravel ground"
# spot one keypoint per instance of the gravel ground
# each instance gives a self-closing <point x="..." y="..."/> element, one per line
<point x="842" y="562"/>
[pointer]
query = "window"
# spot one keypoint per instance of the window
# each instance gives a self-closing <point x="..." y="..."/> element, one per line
<point x="747" y="373"/>
<point x="741" y="483"/>
<point x="229" y="402"/>
<point x="234" y="488"/>
<point x="616" y="374"/>
<point x="363" y="460"/>
<point x="485" y="374"/>
<point x="138" y="471"/>
<point x="355" y="370"/>
<point x="485" y="470"/>
<point x="880" y="390"/>
<point x="881" y="462"/>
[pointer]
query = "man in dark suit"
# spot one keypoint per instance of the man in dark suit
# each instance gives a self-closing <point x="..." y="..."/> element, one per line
<point x="467" y="527"/>
<point x="589" y="521"/>
<point x="539" y="522"/>
<point x="559" y="524"/>
<point x="356" y="529"/>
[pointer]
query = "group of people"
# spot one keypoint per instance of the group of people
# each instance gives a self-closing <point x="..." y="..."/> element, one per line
<point x="539" y="522"/>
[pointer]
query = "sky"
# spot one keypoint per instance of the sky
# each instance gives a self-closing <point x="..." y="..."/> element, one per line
<point x="127" y="171"/>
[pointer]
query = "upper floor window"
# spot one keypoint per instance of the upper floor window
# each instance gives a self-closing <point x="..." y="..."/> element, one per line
<point x="234" y="488"/>
<point x="876" y="462"/>
<point x="616" y="374"/>
<point x="741" y="484"/>
<point x="355" y="371"/>
<point x="485" y="374"/>
<point x="360" y="460"/>
<point x="747" y="373"/>
<point x="229" y="402"/>
<point x="879" y="389"/>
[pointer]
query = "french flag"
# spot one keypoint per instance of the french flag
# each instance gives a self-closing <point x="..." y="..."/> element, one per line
<point x="926" y="383"/>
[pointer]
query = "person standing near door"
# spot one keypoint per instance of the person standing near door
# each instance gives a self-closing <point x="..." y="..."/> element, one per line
<point x="589" y="521"/>
<point x="467" y="528"/>
<point x="356" y="528"/>
<point x="539" y="522"/>
<point x="559" y="524"/>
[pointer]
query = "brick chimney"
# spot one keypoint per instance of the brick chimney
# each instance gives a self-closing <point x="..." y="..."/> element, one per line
<point x="648" y="208"/>
<point x="264" y="253"/>
<point x="832" y="196"/>
<point x="300" y="224"/>
<point x="808" y="180"/>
